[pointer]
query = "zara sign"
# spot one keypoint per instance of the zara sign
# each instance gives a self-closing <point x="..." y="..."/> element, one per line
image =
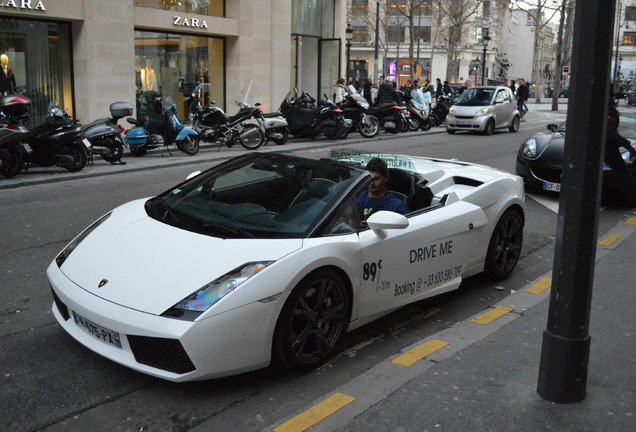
<point x="189" y="22"/>
<point x="23" y="4"/>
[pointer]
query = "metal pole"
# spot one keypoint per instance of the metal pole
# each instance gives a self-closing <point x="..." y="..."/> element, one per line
<point x="483" y="67"/>
<point x="348" y="59"/>
<point x="377" y="40"/>
<point x="566" y="339"/>
<point x="419" y="37"/>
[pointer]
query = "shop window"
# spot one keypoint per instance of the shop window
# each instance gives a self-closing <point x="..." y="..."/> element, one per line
<point x="360" y="34"/>
<point x="630" y="13"/>
<point x="201" y="7"/>
<point x="360" y="8"/>
<point x="395" y="34"/>
<point x="168" y="68"/>
<point x="423" y="33"/>
<point x="629" y="38"/>
<point x="35" y="62"/>
<point x="397" y="8"/>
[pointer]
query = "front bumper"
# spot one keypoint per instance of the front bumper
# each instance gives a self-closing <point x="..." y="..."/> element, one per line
<point x="225" y="344"/>
<point x="474" y="123"/>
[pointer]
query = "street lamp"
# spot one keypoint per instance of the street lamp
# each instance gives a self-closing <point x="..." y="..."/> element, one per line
<point x="484" y="41"/>
<point x="348" y="36"/>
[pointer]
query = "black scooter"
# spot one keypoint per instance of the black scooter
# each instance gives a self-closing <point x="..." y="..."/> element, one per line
<point x="105" y="136"/>
<point x="354" y="108"/>
<point x="306" y="119"/>
<point x="58" y="142"/>
<point x="12" y="132"/>
<point x="438" y="114"/>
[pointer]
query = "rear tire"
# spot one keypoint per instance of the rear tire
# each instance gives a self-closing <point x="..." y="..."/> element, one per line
<point x="504" y="248"/>
<point x="12" y="167"/>
<point x="251" y="136"/>
<point x="283" y="140"/>
<point x="427" y="124"/>
<point x="117" y="150"/>
<point x="138" y="151"/>
<point x="80" y="158"/>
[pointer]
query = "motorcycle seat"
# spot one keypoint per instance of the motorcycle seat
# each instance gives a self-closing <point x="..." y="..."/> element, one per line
<point x="272" y="114"/>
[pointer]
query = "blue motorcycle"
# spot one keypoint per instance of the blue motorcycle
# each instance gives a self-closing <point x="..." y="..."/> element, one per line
<point x="156" y="130"/>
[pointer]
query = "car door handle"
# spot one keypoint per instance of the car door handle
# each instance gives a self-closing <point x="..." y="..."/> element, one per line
<point x="478" y="223"/>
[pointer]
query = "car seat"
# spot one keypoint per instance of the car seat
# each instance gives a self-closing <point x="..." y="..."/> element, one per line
<point x="402" y="184"/>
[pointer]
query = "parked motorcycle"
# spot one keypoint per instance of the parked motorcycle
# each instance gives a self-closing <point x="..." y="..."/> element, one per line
<point x="213" y="125"/>
<point x="438" y="114"/>
<point x="105" y="135"/>
<point x="354" y="108"/>
<point x="57" y="142"/>
<point x="156" y="130"/>
<point x="392" y="117"/>
<point x="306" y="119"/>
<point x="12" y="132"/>
<point x="418" y="109"/>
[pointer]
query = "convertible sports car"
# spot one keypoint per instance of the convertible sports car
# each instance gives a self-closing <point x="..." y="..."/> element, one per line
<point x="540" y="159"/>
<point x="264" y="257"/>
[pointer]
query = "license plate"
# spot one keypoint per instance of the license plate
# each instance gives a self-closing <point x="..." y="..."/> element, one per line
<point x="98" y="332"/>
<point x="556" y="187"/>
<point x="462" y="123"/>
<point x="27" y="148"/>
<point x="86" y="143"/>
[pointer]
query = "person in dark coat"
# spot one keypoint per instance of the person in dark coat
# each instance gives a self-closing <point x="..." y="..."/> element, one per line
<point x="387" y="94"/>
<point x="613" y="158"/>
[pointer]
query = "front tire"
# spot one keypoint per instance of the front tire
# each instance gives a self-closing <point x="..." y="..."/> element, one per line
<point x="504" y="248"/>
<point x="369" y="128"/>
<point x="189" y="145"/>
<point x="80" y="158"/>
<point x="251" y="137"/>
<point x="312" y="321"/>
<point x="414" y="124"/>
<point x="12" y="167"/>
<point x="490" y="127"/>
<point x="514" y="126"/>
<point x="427" y="124"/>
<point x="283" y="139"/>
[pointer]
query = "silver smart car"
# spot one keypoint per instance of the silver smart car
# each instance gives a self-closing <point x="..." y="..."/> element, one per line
<point x="484" y="109"/>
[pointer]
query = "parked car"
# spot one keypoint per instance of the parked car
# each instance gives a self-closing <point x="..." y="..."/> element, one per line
<point x="630" y="98"/>
<point x="484" y="109"/>
<point x="563" y="92"/>
<point x="540" y="161"/>
<point x="265" y="258"/>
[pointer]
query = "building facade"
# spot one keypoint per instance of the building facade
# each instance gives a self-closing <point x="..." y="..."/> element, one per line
<point x="83" y="55"/>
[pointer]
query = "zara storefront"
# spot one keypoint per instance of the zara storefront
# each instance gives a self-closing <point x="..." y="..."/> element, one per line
<point x="83" y="55"/>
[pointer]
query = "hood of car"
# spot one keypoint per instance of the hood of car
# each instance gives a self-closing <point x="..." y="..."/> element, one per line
<point x="140" y="263"/>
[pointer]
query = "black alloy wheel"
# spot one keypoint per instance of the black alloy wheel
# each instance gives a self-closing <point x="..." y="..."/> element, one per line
<point x="312" y="322"/>
<point x="504" y="249"/>
<point x="117" y="150"/>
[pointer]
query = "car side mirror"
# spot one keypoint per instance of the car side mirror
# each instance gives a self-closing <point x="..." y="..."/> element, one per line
<point x="384" y="220"/>
<point x="552" y="127"/>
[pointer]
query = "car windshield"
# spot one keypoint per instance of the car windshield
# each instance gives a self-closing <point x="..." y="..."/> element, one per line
<point x="476" y="97"/>
<point x="256" y="196"/>
<point x="561" y="128"/>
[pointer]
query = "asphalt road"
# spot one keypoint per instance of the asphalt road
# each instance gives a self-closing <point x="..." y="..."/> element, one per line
<point x="51" y="383"/>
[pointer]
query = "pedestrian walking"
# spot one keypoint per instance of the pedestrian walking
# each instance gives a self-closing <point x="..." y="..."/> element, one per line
<point x="613" y="158"/>
<point x="522" y="96"/>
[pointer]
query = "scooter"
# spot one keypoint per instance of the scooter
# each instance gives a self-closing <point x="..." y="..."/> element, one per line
<point x="354" y="109"/>
<point x="105" y="135"/>
<point x="58" y="142"/>
<point x="274" y="126"/>
<point x="418" y="109"/>
<point x="213" y="125"/>
<point x="392" y="118"/>
<point x="305" y="118"/>
<point x="438" y="114"/>
<point x="156" y="130"/>
<point x="12" y="133"/>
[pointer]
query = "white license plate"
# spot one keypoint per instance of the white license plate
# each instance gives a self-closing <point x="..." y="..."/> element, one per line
<point x="27" y="148"/>
<point x="556" y="187"/>
<point x="462" y="123"/>
<point x="98" y="332"/>
<point x="86" y="143"/>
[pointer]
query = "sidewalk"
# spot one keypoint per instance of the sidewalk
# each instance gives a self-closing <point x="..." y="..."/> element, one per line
<point x="485" y="379"/>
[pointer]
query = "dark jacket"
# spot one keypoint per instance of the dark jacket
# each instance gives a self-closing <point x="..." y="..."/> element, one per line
<point x="522" y="93"/>
<point x="387" y="94"/>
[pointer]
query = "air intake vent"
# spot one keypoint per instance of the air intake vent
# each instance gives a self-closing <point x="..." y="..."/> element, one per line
<point x="161" y="353"/>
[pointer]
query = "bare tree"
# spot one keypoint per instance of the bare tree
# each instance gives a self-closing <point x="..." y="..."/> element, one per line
<point x="541" y="14"/>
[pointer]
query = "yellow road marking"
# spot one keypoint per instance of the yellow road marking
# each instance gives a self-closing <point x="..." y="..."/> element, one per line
<point x="316" y="414"/>
<point x="609" y="240"/>
<point x="631" y="221"/>
<point x="540" y="286"/>
<point x="419" y="352"/>
<point x="494" y="314"/>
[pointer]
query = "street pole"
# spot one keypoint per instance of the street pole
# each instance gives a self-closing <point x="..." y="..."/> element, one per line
<point x="377" y="40"/>
<point x="566" y="341"/>
<point x="483" y="67"/>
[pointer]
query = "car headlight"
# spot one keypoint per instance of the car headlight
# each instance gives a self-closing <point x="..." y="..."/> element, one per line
<point x="482" y="111"/>
<point x="530" y="148"/>
<point x="59" y="260"/>
<point x="214" y="291"/>
<point x="452" y="110"/>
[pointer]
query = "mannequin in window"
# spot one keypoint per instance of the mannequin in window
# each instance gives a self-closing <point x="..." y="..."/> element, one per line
<point x="138" y="84"/>
<point x="7" y="78"/>
<point x="148" y="77"/>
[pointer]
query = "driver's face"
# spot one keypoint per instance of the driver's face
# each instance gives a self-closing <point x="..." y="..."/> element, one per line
<point x="377" y="186"/>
